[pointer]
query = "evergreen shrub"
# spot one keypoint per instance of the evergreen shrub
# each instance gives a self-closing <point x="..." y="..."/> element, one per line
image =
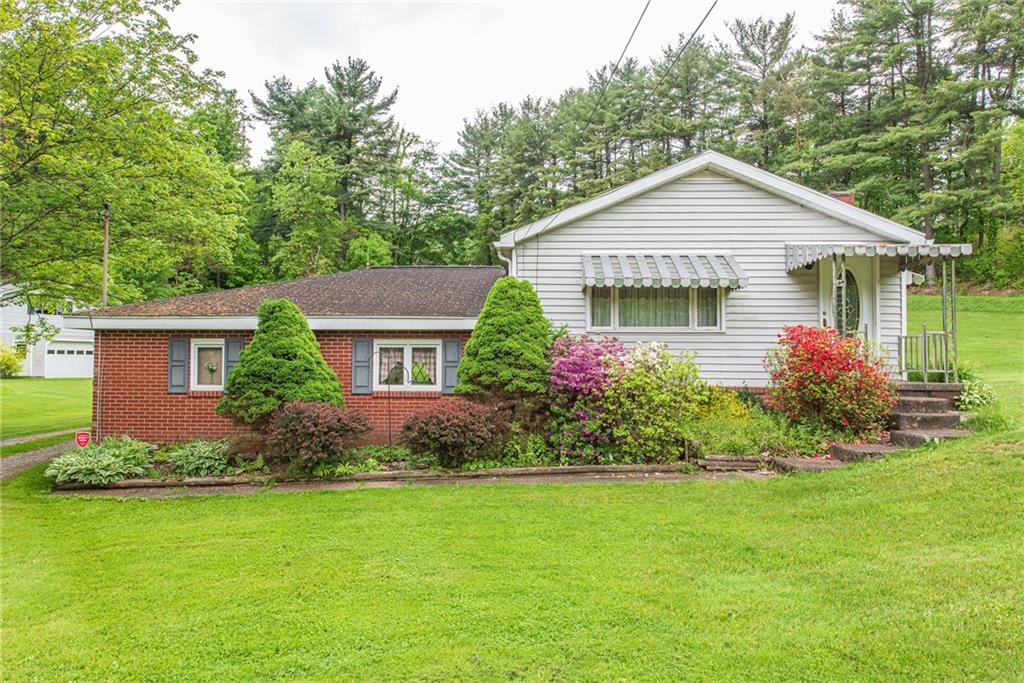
<point x="281" y="365"/>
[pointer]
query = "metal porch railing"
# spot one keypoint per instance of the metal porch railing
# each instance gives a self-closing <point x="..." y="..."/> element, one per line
<point x="928" y="356"/>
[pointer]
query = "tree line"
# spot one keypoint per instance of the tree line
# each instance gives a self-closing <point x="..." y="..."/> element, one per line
<point x="915" y="107"/>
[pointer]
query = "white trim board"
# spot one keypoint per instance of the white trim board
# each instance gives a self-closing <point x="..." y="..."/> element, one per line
<point x="374" y="324"/>
<point x="726" y="165"/>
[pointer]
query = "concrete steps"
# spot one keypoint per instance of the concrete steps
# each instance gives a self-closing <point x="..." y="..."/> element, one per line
<point x="924" y="413"/>
<point x="945" y="420"/>
<point x="912" y="438"/>
<point x="848" y="452"/>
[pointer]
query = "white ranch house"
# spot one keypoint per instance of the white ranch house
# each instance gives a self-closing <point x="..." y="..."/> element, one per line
<point x="716" y="256"/>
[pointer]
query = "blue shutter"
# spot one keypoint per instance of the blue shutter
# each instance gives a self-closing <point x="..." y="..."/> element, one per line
<point x="177" y="365"/>
<point x="232" y="351"/>
<point x="451" y="354"/>
<point x="362" y="353"/>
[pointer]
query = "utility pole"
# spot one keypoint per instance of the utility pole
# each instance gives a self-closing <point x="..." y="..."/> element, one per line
<point x="106" y="250"/>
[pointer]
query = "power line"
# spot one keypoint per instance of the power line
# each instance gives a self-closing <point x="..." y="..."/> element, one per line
<point x="604" y="89"/>
<point x="639" y="109"/>
<point x="676" y="60"/>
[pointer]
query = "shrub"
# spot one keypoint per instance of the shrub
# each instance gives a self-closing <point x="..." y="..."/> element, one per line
<point x="200" y="458"/>
<point x="453" y="431"/>
<point x="306" y="433"/>
<point x="282" y="365"/>
<point x="113" y="459"/>
<point x="10" y="361"/>
<point x="582" y="367"/>
<point x="818" y="375"/>
<point x="506" y="359"/>
<point x="645" y="408"/>
<point x="725" y="404"/>
<point x="530" y="450"/>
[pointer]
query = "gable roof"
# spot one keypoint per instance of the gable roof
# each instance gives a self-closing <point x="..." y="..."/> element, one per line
<point x="725" y="165"/>
<point x="390" y="291"/>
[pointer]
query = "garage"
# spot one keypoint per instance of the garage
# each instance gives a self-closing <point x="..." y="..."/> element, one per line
<point x="68" y="359"/>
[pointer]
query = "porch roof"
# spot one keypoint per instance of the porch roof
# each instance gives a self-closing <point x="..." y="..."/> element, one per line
<point x="662" y="269"/>
<point x="803" y="254"/>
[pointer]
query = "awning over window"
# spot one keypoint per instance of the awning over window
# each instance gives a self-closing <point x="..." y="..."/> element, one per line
<point x="637" y="269"/>
<point x="800" y="255"/>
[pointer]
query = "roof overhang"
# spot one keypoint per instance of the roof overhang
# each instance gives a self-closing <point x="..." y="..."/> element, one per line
<point x="662" y="269"/>
<point x="231" y="323"/>
<point x="799" y="254"/>
<point x="725" y="165"/>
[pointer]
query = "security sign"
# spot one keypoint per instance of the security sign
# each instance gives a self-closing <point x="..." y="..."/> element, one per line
<point x="82" y="439"/>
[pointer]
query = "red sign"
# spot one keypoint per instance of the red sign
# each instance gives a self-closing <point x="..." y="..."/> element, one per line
<point x="82" y="439"/>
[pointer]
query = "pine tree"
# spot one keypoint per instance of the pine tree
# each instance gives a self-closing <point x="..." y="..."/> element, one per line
<point x="282" y="364"/>
<point x="507" y="355"/>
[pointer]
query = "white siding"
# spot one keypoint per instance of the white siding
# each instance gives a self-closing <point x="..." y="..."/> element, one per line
<point x="708" y="211"/>
<point x="16" y="315"/>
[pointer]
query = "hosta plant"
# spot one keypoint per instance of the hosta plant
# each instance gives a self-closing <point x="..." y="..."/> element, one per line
<point x="113" y="459"/>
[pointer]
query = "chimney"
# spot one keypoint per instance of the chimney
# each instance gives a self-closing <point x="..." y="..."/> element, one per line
<point x="843" y="196"/>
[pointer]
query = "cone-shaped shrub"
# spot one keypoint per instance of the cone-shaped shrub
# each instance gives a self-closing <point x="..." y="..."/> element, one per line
<point x="282" y="364"/>
<point x="507" y="355"/>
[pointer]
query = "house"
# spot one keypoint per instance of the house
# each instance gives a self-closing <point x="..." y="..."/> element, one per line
<point x="68" y="354"/>
<point x="715" y="256"/>
<point x="160" y="365"/>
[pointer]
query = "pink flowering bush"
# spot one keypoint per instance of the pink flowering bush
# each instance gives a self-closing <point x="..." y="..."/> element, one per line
<point x="817" y="375"/>
<point x="582" y="367"/>
<point x="582" y="370"/>
<point x="613" y="405"/>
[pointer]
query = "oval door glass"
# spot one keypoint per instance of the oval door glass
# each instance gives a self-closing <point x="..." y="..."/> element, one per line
<point x="851" y="315"/>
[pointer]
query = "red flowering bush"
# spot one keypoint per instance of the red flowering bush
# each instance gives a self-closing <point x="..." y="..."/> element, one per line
<point x="310" y="433"/>
<point x="455" y="432"/>
<point x="816" y="374"/>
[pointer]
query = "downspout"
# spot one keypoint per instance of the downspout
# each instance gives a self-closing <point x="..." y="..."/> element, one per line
<point x="503" y="259"/>
<point x="97" y="378"/>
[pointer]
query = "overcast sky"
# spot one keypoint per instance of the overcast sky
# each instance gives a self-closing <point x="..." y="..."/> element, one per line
<point x="450" y="59"/>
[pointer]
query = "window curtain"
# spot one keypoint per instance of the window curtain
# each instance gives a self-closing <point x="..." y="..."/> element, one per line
<point x="654" y="307"/>
<point x="601" y="307"/>
<point x="424" y="365"/>
<point x="707" y="307"/>
<point x="391" y="360"/>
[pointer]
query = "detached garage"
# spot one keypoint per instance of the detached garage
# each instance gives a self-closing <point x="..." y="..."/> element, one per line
<point x="68" y="359"/>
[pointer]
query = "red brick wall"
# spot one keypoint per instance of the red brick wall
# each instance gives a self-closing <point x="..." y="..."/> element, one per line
<point x="130" y="390"/>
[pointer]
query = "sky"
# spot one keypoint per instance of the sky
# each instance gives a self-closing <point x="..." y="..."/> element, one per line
<point x="450" y="59"/>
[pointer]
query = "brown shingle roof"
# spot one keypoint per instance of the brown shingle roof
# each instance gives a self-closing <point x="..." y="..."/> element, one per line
<point x="431" y="291"/>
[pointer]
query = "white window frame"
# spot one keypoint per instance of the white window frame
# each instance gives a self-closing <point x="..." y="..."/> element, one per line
<point x="406" y="344"/>
<point x="197" y="344"/>
<point x="692" y="327"/>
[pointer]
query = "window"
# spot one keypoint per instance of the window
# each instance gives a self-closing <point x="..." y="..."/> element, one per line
<point x="683" y="308"/>
<point x="407" y="365"/>
<point x="208" y="364"/>
<point x="851" y="316"/>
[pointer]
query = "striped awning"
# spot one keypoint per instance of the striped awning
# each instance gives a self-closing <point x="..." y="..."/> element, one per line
<point x="800" y="255"/>
<point x="640" y="269"/>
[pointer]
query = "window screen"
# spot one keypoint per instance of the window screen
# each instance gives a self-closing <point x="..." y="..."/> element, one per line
<point x="601" y="307"/>
<point x="707" y="307"/>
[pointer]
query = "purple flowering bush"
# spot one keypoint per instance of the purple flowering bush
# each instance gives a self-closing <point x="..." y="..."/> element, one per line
<point x="616" y="405"/>
<point x="582" y="367"/>
<point x="582" y="370"/>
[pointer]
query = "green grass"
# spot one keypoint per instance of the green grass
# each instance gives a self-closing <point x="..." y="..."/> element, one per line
<point x="990" y="334"/>
<point x="26" y="446"/>
<point x="30" y="405"/>
<point x="906" y="568"/>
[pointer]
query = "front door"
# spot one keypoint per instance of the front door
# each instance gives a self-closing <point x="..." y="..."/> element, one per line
<point x="861" y="287"/>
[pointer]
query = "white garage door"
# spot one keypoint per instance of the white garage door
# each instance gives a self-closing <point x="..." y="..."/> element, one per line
<point x="69" y="359"/>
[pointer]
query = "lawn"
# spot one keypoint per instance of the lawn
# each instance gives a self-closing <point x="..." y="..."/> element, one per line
<point x="31" y="405"/>
<point x="906" y="568"/>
